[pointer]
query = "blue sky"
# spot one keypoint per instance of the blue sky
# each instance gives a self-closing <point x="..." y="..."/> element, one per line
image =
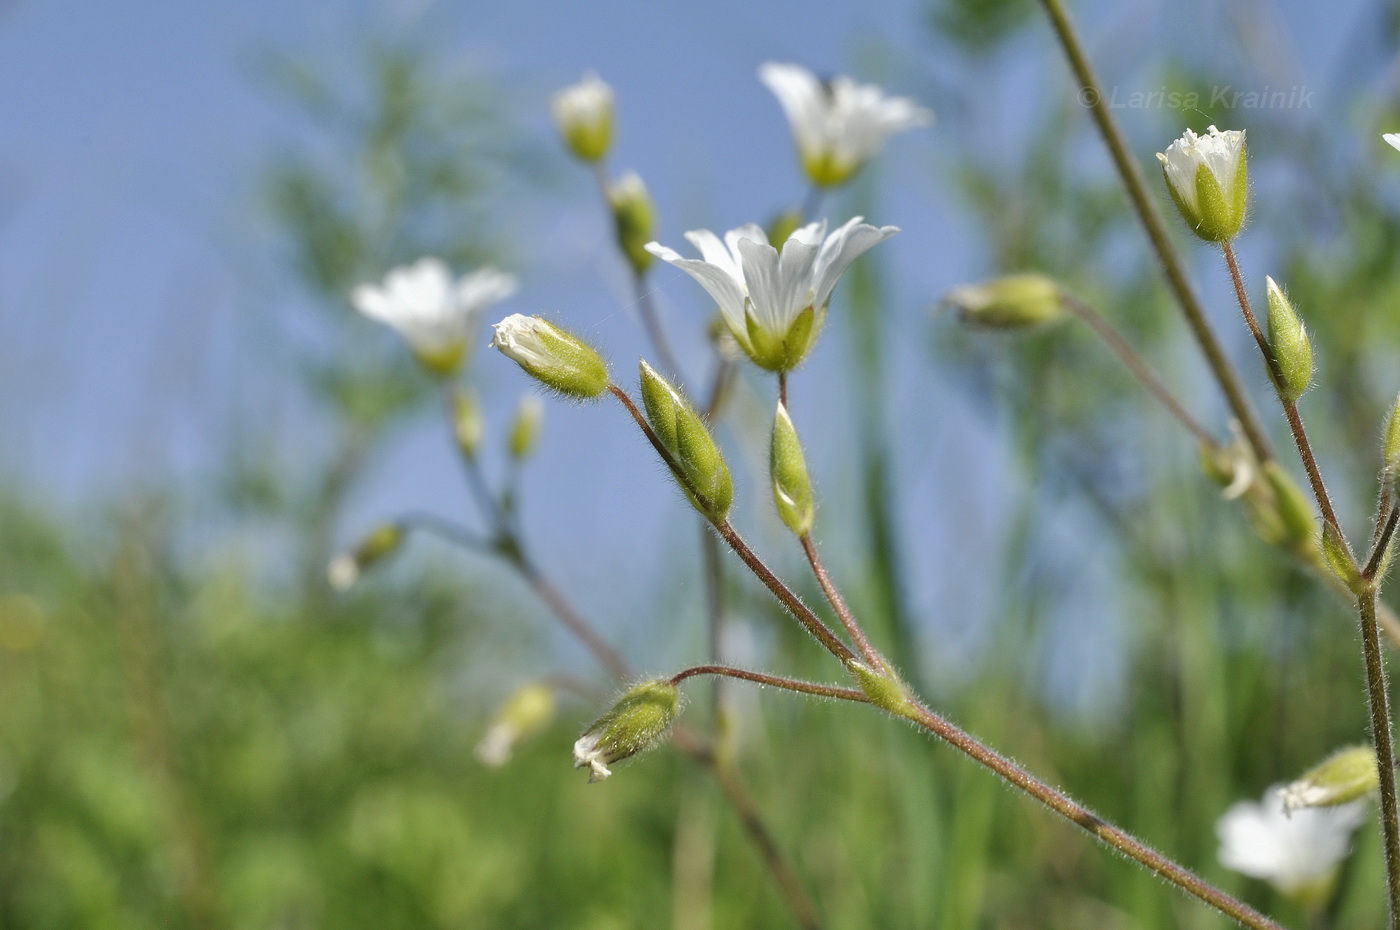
<point x="132" y="135"/>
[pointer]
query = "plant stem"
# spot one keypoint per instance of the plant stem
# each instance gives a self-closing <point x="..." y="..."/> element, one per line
<point x="1081" y="816"/>
<point x="776" y="681"/>
<point x="811" y="203"/>
<point x="1379" y="702"/>
<point x="1373" y="564"/>
<point x="1091" y="94"/>
<point x="838" y="604"/>
<point x="813" y="624"/>
<point x="1290" y="409"/>
<point x="782" y="388"/>
<point x="1138" y="366"/>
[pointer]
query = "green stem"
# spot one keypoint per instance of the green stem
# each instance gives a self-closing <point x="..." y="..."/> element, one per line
<point x="1379" y="702"/>
<point x="1091" y="94"/>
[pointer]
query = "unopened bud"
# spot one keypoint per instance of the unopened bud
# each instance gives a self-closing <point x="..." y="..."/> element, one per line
<point x="468" y="424"/>
<point x="1014" y="301"/>
<point x="782" y="226"/>
<point x="1346" y="775"/>
<point x="1208" y="180"/>
<point x="639" y="721"/>
<point x="525" y="431"/>
<point x="882" y="686"/>
<point x="529" y="709"/>
<point x="554" y="357"/>
<point x="1288" y="340"/>
<point x="583" y="114"/>
<point x="1295" y="509"/>
<point x="792" y="487"/>
<point x="634" y="220"/>
<point x="1340" y="559"/>
<point x="347" y="568"/>
<point x="699" y="465"/>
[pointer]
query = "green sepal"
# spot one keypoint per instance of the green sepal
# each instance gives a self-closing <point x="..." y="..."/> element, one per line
<point x="699" y="465"/>
<point x="1291" y="348"/>
<point x="792" y="486"/>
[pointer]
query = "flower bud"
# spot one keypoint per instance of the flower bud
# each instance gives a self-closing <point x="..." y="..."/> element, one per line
<point x="792" y="488"/>
<point x="346" y="568"/>
<point x="583" y="114"/>
<point x="699" y="465"/>
<point x="525" y="431"/>
<point x="529" y="709"/>
<point x="882" y="686"/>
<point x="1340" y="559"/>
<point x="1015" y="301"/>
<point x="1232" y="466"/>
<point x="781" y="227"/>
<point x="636" y="723"/>
<point x="1295" y="509"/>
<point x="634" y="220"/>
<point x="1346" y="775"/>
<point x="554" y="357"/>
<point x="1288" y="340"/>
<point x="467" y="422"/>
<point x="1208" y="179"/>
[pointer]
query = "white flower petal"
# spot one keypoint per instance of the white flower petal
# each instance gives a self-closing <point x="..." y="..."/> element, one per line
<point x="841" y="248"/>
<point x="719" y="282"/>
<point x="1262" y="840"/>
<point x="1393" y="138"/>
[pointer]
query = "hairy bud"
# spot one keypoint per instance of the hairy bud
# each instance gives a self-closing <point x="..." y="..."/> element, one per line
<point x="639" y="721"/>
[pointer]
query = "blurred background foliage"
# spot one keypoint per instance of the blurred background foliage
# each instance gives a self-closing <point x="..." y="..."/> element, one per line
<point x="194" y="742"/>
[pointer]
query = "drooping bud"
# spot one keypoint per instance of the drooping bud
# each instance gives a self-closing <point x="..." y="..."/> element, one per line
<point x="347" y="568"/>
<point x="583" y="114"/>
<point x="1288" y="340"/>
<point x="529" y="709"/>
<point x="554" y="357"/>
<point x="639" y="721"/>
<point x="468" y="425"/>
<point x="1346" y="775"/>
<point x="792" y="487"/>
<point x="634" y="220"/>
<point x="525" y="431"/>
<point x="1015" y="301"/>
<point x="1208" y="179"/>
<point x="699" y="465"/>
<point x="1232" y="466"/>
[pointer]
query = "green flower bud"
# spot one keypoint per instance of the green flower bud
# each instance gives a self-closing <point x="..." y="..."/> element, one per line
<point x="699" y="465"/>
<point x="525" y="431"/>
<point x="1346" y="775"/>
<point x="554" y="357"/>
<point x="782" y="226"/>
<point x="1340" y="559"/>
<point x="1288" y="340"/>
<point x="467" y="422"/>
<point x="346" y="568"/>
<point x="792" y="488"/>
<point x="1295" y="509"/>
<point x="1015" y="301"/>
<point x="1208" y="179"/>
<point x="634" y="220"/>
<point x="583" y="114"/>
<point x="528" y="710"/>
<point x="637" y="722"/>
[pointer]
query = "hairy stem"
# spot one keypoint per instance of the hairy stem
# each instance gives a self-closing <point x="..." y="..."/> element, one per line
<point x="1138" y="366"/>
<point x="1091" y="94"/>
<point x="1379" y="702"/>
<point x="838" y="603"/>
<point x="775" y="681"/>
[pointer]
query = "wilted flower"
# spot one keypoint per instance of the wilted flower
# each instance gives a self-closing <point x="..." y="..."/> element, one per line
<point x="1208" y="179"/>
<point x="346" y="568"/>
<point x="773" y="302"/>
<point x="1346" y="775"/>
<point x="556" y="358"/>
<point x="583" y="113"/>
<point x="638" y="721"/>
<point x="838" y="125"/>
<point x="1297" y="853"/>
<point x="1013" y="301"/>
<point x="432" y="312"/>
<point x="527" y="711"/>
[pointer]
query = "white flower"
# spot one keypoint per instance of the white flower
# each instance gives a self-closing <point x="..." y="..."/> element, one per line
<point x="1208" y="179"/>
<point x="774" y="302"/>
<point x="583" y="113"/>
<point x="838" y="125"/>
<point x="1393" y="138"/>
<point x="343" y="572"/>
<point x="1297" y="853"/>
<point x="432" y="312"/>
